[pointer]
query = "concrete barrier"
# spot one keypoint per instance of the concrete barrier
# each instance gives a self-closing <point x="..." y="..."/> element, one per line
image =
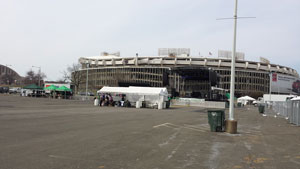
<point x="197" y="103"/>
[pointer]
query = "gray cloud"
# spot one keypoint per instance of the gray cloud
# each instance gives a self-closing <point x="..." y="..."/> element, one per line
<point x="53" y="34"/>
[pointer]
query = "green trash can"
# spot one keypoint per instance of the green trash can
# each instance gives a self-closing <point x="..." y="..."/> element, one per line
<point x="216" y="120"/>
<point x="261" y="108"/>
<point x="143" y="104"/>
<point x="168" y="104"/>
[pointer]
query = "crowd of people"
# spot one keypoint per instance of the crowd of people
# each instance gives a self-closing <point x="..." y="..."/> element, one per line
<point x="106" y="99"/>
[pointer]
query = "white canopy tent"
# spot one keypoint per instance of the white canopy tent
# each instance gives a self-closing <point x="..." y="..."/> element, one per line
<point x="152" y="95"/>
<point x="245" y="99"/>
<point x="118" y="90"/>
<point x="295" y="98"/>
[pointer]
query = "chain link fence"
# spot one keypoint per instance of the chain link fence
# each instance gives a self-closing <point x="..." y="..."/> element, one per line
<point x="289" y="109"/>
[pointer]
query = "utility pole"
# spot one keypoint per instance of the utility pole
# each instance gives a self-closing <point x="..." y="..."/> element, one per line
<point x="231" y="123"/>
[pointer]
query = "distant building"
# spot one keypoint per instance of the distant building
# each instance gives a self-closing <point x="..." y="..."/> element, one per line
<point x="185" y="76"/>
<point x="9" y="76"/>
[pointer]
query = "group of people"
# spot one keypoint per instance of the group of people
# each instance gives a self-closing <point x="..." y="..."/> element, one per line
<point x="107" y="100"/>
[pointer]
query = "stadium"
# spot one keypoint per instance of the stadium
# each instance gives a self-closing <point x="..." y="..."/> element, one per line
<point x="187" y="76"/>
<point x="9" y="76"/>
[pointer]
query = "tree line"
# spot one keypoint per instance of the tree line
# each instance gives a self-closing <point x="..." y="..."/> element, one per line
<point x="70" y="75"/>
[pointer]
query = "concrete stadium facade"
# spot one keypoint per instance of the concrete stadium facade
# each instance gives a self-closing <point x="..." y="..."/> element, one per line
<point x="8" y="75"/>
<point x="185" y="76"/>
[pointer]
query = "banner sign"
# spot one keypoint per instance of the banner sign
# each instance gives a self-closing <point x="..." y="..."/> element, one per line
<point x="57" y="84"/>
<point x="284" y="84"/>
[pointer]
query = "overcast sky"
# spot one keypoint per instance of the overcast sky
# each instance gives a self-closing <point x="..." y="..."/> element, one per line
<point x="55" y="33"/>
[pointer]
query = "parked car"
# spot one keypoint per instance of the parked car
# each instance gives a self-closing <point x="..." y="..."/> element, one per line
<point x="4" y="89"/>
<point x="14" y="90"/>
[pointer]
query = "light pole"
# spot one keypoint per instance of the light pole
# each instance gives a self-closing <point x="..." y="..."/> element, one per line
<point x="39" y="74"/>
<point x="87" y="79"/>
<point x="270" y="94"/>
<point x="231" y="124"/>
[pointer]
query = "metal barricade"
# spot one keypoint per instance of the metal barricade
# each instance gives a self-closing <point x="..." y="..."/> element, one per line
<point x="296" y="113"/>
<point x="289" y="109"/>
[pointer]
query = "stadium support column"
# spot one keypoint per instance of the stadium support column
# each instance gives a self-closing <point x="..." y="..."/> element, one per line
<point x="231" y="124"/>
<point x="175" y="82"/>
<point x="136" y="59"/>
<point x="178" y="84"/>
<point x="87" y="80"/>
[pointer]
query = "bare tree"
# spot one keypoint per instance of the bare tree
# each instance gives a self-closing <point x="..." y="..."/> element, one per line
<point x="33" y="78"/>
<point x="73" y="75"/>
<point x="7" y="79"/>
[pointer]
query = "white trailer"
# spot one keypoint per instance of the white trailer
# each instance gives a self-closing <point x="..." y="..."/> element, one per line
<point x="276" y="97"/>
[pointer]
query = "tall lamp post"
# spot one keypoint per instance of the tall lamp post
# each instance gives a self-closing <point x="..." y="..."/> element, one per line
<point x="231" y="123"/>
<point x="39" y="74"/>
<point x="270" y="94"/>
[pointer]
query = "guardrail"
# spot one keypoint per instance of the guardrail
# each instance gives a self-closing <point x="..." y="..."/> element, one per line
<point x="289" y="109"/>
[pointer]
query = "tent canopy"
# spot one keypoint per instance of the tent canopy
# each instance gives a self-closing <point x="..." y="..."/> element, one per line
<point x="52" y="87"/>
<point x="150" y="90"/>
<point x="135" y="90"/>
<point x="33" y="87"/>
<point x="247" y="98"/>
<point x="106" y="89"/>
<point x="152" y="95"/>
<point x="228" y="96"/>
<point x="63" y="88"/>
<point x="295" y="98"/>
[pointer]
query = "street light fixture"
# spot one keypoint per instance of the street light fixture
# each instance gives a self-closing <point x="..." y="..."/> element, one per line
<point x="231" y="125"/>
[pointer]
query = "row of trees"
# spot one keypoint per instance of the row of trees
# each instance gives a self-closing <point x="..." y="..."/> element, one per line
<point x="71" y="75"/>
<point x="34" y="78"/>
<point x="8" y="79"/>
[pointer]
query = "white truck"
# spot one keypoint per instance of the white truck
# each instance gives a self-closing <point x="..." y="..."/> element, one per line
<point x="276" y="98"/>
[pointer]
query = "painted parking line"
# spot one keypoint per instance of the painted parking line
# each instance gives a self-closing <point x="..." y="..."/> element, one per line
<point x="160" y="125"/>
<point x="170" y="125"/>
<point x="68" y="158"/>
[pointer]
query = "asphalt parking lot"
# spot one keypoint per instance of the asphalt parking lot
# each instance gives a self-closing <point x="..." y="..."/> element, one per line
<point x="37" y="133"/>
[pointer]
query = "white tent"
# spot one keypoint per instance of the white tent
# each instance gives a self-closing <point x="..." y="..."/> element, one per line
<point x="245" y="99"/>
<point x="119" y="90"/>
<point x="295" y="98"/>
<point x="152" y="95"/>
<point x="150" y="90"/>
